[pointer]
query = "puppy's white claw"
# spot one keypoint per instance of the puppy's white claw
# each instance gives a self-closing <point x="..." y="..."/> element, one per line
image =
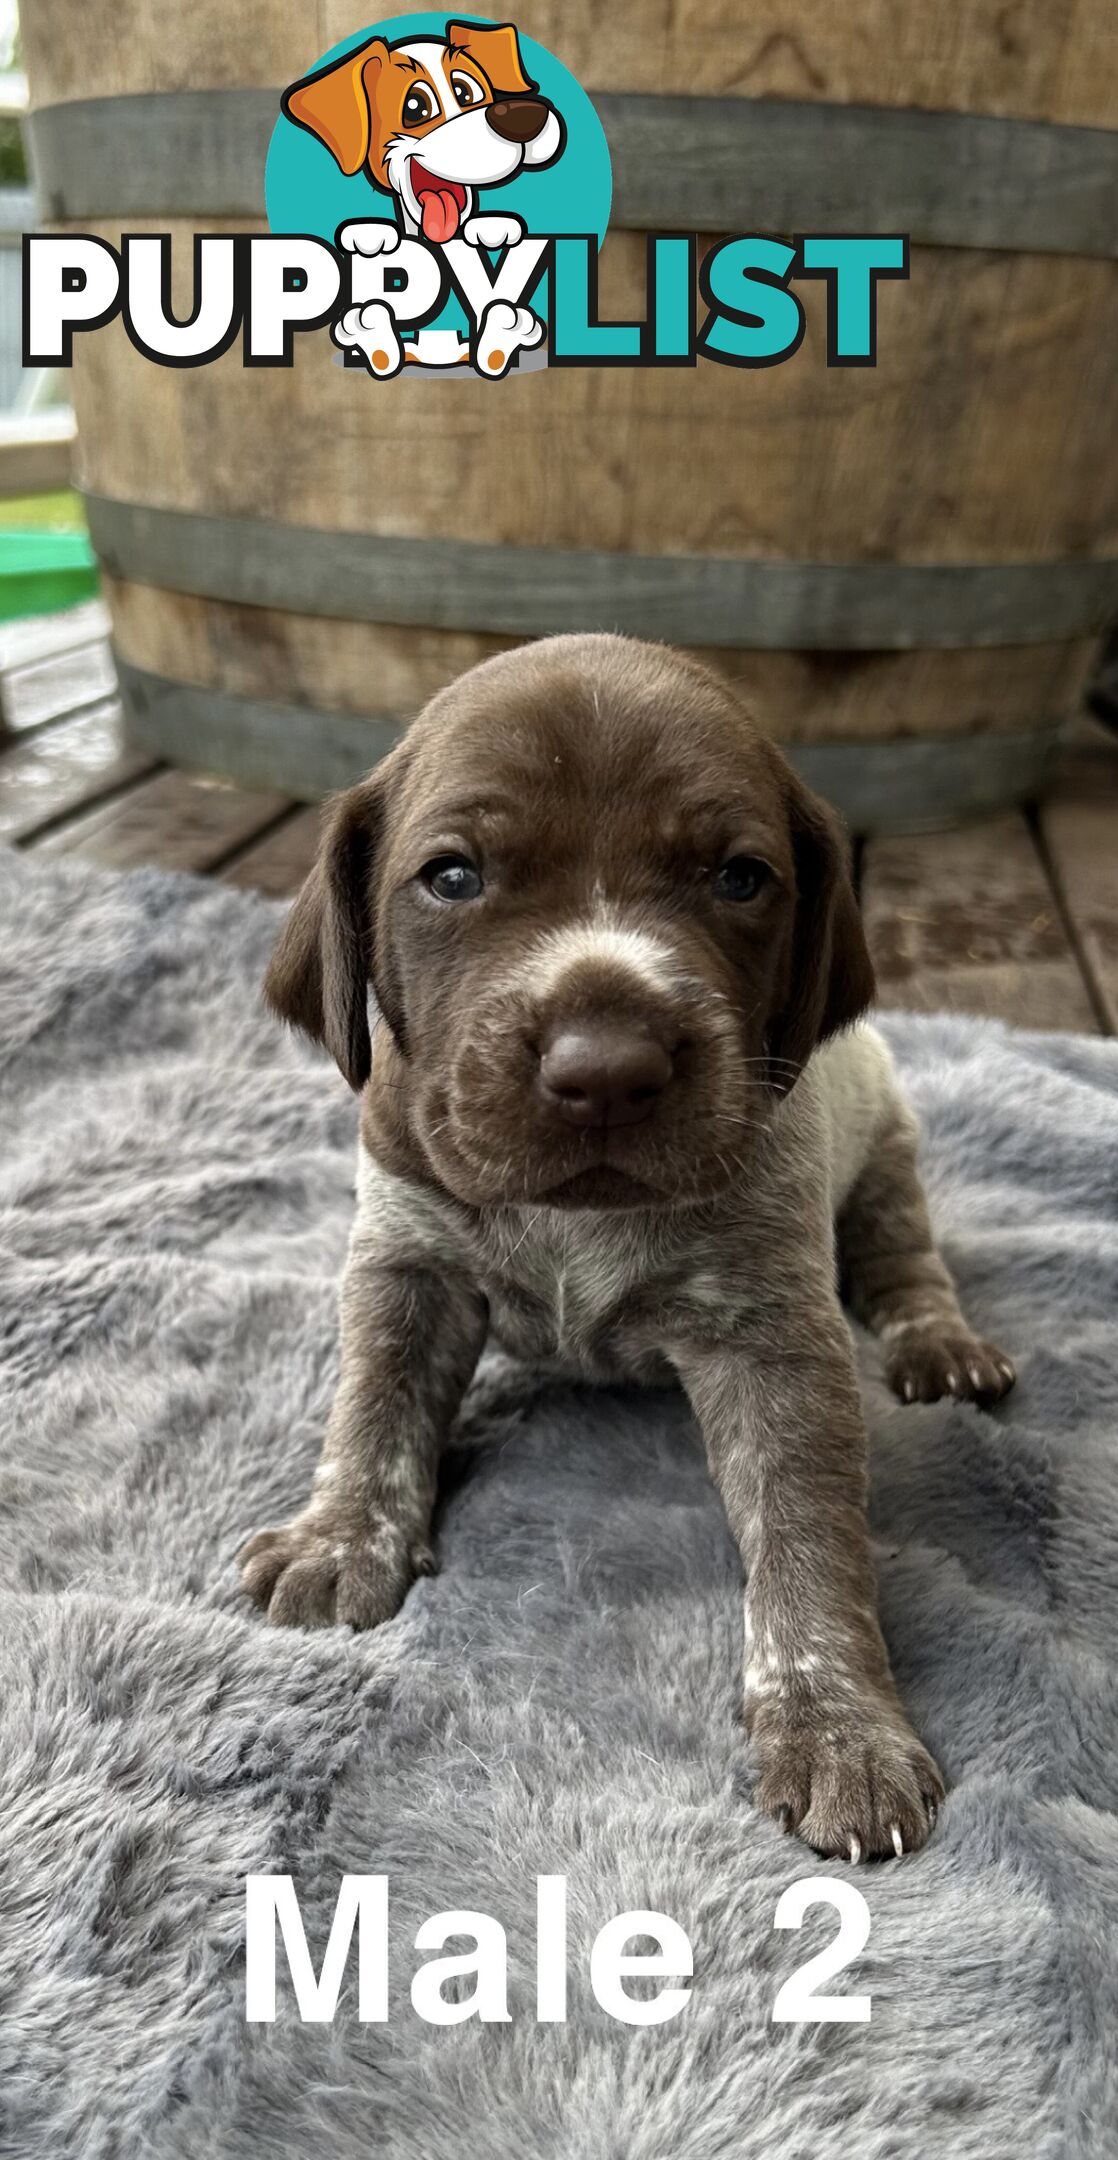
<point x="493" y="231"/>
<point x="369" y="236"/>
<point x="898" y="1841"/>
<point x="855" y="1851"/>
<point x="909" y="1390"/>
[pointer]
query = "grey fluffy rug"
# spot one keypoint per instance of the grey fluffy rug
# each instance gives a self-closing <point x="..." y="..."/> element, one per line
<point x="176" y="1186"/>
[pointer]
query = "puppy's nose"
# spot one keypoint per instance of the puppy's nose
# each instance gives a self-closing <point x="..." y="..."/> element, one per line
<point x="599" y="1076"/>
<point x="518" y="119"/>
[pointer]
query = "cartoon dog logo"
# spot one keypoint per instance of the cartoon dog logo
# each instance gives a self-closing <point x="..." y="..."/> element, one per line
<point x="431" y="121"/>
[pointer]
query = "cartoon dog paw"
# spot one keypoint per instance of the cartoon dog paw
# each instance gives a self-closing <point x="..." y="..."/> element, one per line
<point x="371" y="331"/>
<point x="493" y="231"/>
<point x="369" y="236"/>
<point x="505" y="331"/>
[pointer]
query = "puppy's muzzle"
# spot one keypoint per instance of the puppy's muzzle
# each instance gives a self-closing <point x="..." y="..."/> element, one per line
<point x="518" y="120"/>
<point x="598" y="1076"/>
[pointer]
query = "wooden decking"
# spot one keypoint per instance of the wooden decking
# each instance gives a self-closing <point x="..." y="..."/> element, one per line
<point x="1015" y="917"/>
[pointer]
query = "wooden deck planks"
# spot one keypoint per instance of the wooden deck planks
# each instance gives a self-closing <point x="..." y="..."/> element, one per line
<point x="1082" y="840"/>
<point x="172" y="820"/>
<point x="59" y="770"/>
<point x="39" y="637"/>
<point x="966" y="921"/>
<point x="1006" y="918"/>
<point x="1079" y="834"/>
<point x="57" y="685"/>
<point x="278" y="863"/>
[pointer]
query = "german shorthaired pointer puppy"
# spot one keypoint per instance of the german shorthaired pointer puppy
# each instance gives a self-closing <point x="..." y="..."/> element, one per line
<point x="621" y="1109"/>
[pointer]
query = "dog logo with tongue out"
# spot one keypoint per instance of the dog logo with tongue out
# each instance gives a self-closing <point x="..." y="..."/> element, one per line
<point x="433" y="121"/>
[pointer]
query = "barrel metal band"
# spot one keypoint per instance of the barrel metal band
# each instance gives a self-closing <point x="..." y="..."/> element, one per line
<point x="879" y="786"/>
<point x="681" y="164"/>
<point x="534" y="591"/>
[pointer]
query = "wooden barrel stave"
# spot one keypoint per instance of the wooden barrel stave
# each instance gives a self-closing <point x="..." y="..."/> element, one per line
<point x="388" y="668"/>
<point x="795" y="462"/>
<point x="1042" y="63"/>
<point x="971" y="452"/>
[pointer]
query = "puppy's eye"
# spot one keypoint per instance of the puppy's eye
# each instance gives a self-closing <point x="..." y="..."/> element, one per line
<point x="467" y="91"/>
<point x="742" y="878"/>
<point x="419" y="105"/>
<point x="452" y="877"/>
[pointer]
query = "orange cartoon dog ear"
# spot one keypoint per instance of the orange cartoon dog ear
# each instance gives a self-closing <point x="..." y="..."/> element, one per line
<point x="497" y="52"/>
<point x="335" y="103"/>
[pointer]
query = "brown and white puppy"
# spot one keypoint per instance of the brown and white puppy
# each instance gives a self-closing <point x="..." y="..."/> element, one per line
<point x="618" y="1111"/>
<point x="431" y="120"/>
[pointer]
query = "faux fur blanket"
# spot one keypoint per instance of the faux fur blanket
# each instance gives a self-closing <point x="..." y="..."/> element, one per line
<point x="176" y="1184"/>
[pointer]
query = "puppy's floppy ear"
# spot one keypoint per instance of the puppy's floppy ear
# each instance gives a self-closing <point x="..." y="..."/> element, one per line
<point x="319" y="975"/>
<point x="830" y="978"/>
<point x="335" y="104"/>
<point x="496" y="49"/>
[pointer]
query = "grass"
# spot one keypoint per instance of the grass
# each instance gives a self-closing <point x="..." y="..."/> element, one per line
<point x="61" y="512"/>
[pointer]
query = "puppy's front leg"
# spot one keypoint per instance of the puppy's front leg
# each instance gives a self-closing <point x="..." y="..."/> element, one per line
<point x="785" y="1439"/>
<point x="410" y="1341"/>
<point x="898" y="1285"/>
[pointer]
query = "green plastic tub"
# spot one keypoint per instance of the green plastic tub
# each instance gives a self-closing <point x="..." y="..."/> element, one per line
<point x="41" y="572"/>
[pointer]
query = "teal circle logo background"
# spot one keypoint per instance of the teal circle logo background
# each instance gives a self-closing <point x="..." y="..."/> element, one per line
<point x="306" y="192"/>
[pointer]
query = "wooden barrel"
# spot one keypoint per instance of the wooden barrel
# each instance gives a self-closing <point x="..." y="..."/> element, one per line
<point x="908" y="566"/>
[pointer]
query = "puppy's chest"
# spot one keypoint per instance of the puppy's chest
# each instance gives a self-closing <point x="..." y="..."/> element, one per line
<point x="598" y="1298"/>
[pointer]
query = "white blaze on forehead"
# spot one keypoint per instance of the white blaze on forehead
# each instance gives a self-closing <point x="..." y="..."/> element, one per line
<point x="431" y="55"/>
<point x="596" y="943"/>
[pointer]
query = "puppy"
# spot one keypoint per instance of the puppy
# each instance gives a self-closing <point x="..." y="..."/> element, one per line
<point x="431" y="120"/>
<point x="619" y="1110"/>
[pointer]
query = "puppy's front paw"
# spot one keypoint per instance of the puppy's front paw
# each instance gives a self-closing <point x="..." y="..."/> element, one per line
<point x="493" y="231"/>
<point x="369" y="236"/>
<point x="925" y="1362"/>
<point x="853" y="1783"/>
<point x="312" y="1572"/>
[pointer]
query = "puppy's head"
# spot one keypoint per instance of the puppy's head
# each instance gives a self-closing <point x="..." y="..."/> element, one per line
<point x="605" y="923"/>
<point x="431" y="119"/>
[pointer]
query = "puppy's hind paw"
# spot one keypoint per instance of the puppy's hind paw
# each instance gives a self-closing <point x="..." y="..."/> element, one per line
<point x="371" y="331"/>
<point x="504" y="332"/>
<point x="926" y="1363"/>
